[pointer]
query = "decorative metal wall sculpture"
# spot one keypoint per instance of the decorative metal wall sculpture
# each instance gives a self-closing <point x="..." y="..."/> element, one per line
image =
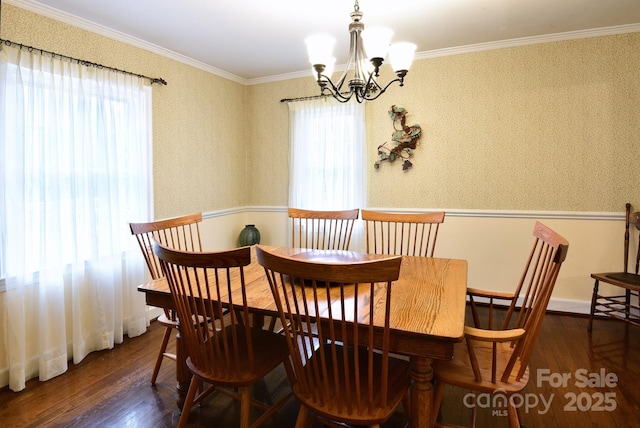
<point x="404" y="140"/>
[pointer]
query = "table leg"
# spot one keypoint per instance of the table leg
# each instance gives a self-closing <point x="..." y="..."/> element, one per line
<point x="183" y="374"/>
<point x="421" y="392"/>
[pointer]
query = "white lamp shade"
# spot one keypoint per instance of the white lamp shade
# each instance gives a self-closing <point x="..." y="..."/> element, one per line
<point x="401" y="55"/>
<point x="320" y="48"/>
<point x="376" y="41"/>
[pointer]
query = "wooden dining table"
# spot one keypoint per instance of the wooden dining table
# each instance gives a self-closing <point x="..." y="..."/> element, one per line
<point x="426" y="319"/>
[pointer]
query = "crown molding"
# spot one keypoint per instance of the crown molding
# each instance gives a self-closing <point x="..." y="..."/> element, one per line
<point x="533" y="40"/>
<point x="91" y="26"/>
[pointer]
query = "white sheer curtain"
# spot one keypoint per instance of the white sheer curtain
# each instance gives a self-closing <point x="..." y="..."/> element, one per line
<point x="327" y="157"/>
<point x="75" y="162"/>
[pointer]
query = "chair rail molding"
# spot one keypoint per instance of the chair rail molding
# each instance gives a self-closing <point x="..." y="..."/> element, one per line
<point x="456" y="212"/>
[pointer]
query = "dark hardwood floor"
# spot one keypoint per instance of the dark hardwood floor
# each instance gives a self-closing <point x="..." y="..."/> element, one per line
<point x="111" y="388"/>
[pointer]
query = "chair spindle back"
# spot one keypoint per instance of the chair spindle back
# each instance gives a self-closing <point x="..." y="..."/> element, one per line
<point x="322" y="230"/>
<point x="339" y="369"/>
<point x="402" y="234"/>
<point x="180" y="233"/>
<point x="204" y="286"/>
<point x="534" y="288"/>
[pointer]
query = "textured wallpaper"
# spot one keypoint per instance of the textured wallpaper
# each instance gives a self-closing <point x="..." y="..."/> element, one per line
<point x="552" y="127"/>
<point x="547" y="127"/>
<point x="199" y="119"/>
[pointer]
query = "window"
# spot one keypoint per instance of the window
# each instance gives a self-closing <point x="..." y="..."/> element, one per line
<point x="75" y="168"/>
<point x="327" y="155"/>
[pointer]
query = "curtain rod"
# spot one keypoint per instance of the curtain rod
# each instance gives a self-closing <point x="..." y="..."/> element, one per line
<point x="310" y="97"/>
<point x="82" y="62"/>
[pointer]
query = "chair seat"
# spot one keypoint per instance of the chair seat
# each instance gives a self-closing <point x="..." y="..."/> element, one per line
<point x="164" y="320"/>
<point x="399" y="381"/>
<point x="168" y="322"/>
<point x="270" y="349"/>
<point x="458" y="371"/>
<point x="627" y="280"/>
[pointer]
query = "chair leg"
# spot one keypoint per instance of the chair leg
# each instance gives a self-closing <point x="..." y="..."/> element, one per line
<point x="288" y="368"/>
<point x="474" y="412"/>
<point x="196" y="385"/>
<point x="594" y="299"/>
<point x="514" y="421"/>
<point x="438" y="393"/>
<point x="627" y="300"/>
<point x="301" y="421"/>
<point x="474" y="312"/>
<point x="245" y="407"/>
<point x="406" y="405"/>
<point x="163" y="348"/>
<point x="519" y="413"/>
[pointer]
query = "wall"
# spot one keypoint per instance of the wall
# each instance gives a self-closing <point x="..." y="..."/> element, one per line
<point x="550" y="127"/>
<point x="198" y="118"/>
<point x="547" y="127"/>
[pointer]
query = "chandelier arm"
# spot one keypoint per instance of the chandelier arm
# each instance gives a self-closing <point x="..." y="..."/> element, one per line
<point x="342" y="99"/>
<point x="333" y="90"/>
<point x="382" y="90"/>
<point x="372" y="83"/>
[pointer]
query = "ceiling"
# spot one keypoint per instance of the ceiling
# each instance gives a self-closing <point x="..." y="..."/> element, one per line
<point x="260" y="39"/>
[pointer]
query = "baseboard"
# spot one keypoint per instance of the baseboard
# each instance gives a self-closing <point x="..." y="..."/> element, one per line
<point x="569" y="306"/>
<point x="565" y="306"/>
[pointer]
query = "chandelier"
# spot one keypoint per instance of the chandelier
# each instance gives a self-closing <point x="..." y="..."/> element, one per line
<point x="360" y="77"/>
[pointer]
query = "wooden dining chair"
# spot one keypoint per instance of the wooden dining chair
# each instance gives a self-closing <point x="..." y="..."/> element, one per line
<point x="402" y="234"/>
<point x="228" y="354"/>
<point x="182" y="233"/>
<point x="496" y="362"/>
<point x="613" y="304"/>
<point x="342" y="368"/>
<point x="322" y="230"/>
